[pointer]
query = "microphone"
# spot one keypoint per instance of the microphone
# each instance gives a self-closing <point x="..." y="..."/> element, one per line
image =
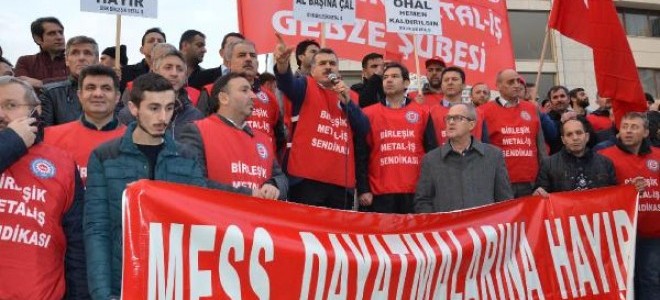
<point x="333" y="78"/>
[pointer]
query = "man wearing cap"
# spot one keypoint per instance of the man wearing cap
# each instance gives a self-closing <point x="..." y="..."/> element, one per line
<point x="433" y="89"/>
<point x="108" y="56"/>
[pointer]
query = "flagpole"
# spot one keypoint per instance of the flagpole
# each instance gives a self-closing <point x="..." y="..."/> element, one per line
<point x="541" y="60"/>
<point x="117" y="42"/>
<point x="419" y="77"/>
<point x="322" y="34"/>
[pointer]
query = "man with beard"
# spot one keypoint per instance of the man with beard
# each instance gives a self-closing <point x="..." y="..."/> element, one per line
<point x="479" y="94"/>
<point x="48" y="65"/>
<point x="266" y="116"/>
<point x="209" y="76"/>
<point x="602" y="120"/>
<point x="59" y="100"/>
<point x="637" y="162"/>
<point x="224" y="140"/>
<point x="321" y="156"/>
<point x="145" y="151"/>
<point x="370" y="90"/>
<point x="574" y="167"/>
<point x="433" y="90"/>
<point x="193" y="47"/>
<point x="305" y="50"/>
<point x="169" y="63"/>
<point x="558" y="114"/>
<point x="579" y="101"/>
<point x="41" y="248"/>
<point x="464" y="172"/>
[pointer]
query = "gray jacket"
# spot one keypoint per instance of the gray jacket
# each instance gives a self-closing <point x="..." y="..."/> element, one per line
<point x="451" y="181"/>
<point x="59" y="102"/>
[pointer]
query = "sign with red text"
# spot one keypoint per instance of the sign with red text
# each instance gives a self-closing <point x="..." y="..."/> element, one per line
<point x="413" y="16"/>
<point x="182" y="242"/>
<point x="475" y="34"/>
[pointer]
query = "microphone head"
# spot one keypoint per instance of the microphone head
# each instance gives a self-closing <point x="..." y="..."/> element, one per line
<point x="333" y="78"/>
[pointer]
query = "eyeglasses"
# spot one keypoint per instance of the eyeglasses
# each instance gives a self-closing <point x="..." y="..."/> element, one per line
<point x="11" y="106"/>
<point x="456" y="118"/>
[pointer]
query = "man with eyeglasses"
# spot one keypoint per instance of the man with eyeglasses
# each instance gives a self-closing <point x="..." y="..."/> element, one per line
<point x="464" y="172"/>
<point x="515" y="127"/>
<point x="41" y="206"/>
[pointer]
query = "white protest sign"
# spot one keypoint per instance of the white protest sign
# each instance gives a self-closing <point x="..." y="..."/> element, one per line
<point x="324" y="11"/>
<point x="137" y="8"/>
<point x="413" y="16"/>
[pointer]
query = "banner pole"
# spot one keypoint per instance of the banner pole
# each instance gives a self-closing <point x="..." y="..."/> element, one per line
<point x="322" y="34"/>
<point x="541" y="60"/>
<point x="419" y="75"/>
<point x="118" y="42"/>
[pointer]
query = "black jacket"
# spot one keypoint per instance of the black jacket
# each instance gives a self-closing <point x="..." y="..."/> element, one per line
<point x="60" y="103"/>
<point x="130" y="72"/>
<point x="565" y="172"/>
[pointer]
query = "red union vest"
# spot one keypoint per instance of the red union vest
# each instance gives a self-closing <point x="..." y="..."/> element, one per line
<point x="396" y="140"/>
<point x="438" y="113"/>
<point x="514" y="130"/>
<point x="79" y="141"/>
<point x="322" y="147"/>
<point x="629" y="166"/>
<point x="35" y="192"/>
<point x="233" y="156"/>
<point x="265" y="113"/>
<point x="430" y="99"/>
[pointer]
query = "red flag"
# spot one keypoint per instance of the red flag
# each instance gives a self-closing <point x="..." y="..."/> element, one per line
<point x="595" y="23"/>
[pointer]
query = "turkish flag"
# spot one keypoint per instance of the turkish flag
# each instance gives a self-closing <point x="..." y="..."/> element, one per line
<point x="595" y="24"/>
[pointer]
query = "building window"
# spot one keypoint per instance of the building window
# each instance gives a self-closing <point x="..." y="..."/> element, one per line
<point x="527" y="33"/>
<point x="639" y="22"/>
<point x="546" y="81"/>
<point x="650" y="79"/>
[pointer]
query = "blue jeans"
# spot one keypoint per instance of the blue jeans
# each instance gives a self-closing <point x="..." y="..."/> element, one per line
<point x="647" y="269"/>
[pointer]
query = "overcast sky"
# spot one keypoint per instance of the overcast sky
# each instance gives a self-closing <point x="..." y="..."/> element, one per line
<point x="212" y="17"/>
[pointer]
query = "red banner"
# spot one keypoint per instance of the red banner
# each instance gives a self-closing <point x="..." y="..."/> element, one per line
<point x="475" y="34"/>
<point x="182" y="242"/>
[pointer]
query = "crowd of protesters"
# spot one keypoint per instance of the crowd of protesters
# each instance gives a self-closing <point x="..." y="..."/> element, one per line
<point x="75" y="130"/>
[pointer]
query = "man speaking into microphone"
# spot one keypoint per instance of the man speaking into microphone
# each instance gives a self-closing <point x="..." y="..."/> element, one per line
<point x="321" y="161"/>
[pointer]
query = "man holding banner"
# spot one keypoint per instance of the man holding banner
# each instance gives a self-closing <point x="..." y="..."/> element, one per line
<point x="637" y="162"/>
<point x="321" y="154"/>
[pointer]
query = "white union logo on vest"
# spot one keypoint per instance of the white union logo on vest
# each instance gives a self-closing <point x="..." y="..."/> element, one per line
<point x="525" y="116"/>
<point x="43" y="168"/>
<point x="652" y="164"/>
<point x="412" y="117"/>
<point x="262" y="151"/>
